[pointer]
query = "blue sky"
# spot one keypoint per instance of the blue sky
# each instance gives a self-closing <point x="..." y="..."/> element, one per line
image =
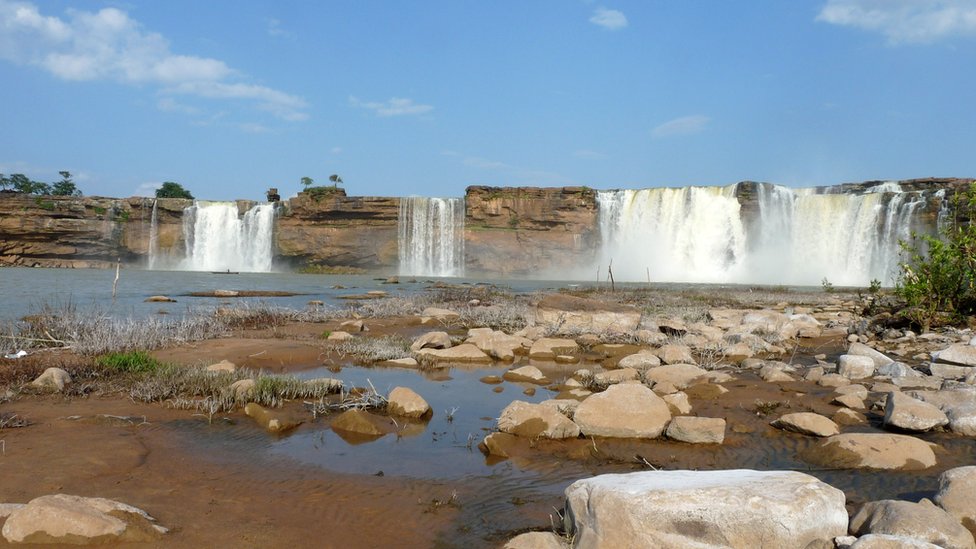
<point x="426" y="98"/>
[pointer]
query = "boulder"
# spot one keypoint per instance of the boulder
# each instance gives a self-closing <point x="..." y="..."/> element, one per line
<point x="52" y="378"/>
<point x="886" y="541"/>
<point x="431" y="340"/>
<point x="405" y="402"/>
<point x="626" y="410"/>
<point x="435" y="313"/>
<point x="358" y="422"/>
<point x="773" y="325"/>
<point x="76" y="520"/>
<point x="960" y="354"/>
<point x="457" y="354"/>
<point x="566" y="314"/>
<point x="499" y="444"/>
<point x="806" y="325"/>
<point x="527" y="374"/>
<point x="774" y="373"/>
<point x="339" y="335"/>
<point x="616" y="376"/>
<point x="896" y="369"/>
<point x="697" y="430"/>
<point x="354" y="326"/>
<point x="497" y="344"/>
<point x="273" y="421"/>
<point x="962" y="420"/>
<point x="536" y="540"/>
<point x="851" y="400"/>
<point x="243" y="389"/>
<point x="860" y="349"/>
<point x="159" y="299"/>
<point x="406" y="362"/>
<point x="909" y="414"/>
<point x="679" y="375"/>
<point x="923" y="521"/>
<point x="807" y="423"/>
<point x="547" y="348"/>
<point x="640" y="361"/>
<point x="678" y="403"/>
<point x="704" y="509"/>
<point x="957" y="488"/>
<point x="536" y="421"/>
<point x="856" y="366"/>
<point x="223" y="366"/>
<point x="675" y="354"/>
<point x="871" y="451"/>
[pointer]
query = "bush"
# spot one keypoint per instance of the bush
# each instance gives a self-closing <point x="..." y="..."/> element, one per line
<point x="938" y="277"/>
<point x="130" y="362"/>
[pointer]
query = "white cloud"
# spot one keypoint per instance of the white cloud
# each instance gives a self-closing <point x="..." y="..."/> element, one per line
<point x="685" y="125"/>
<point x="335" y="150"/>
<point x="277" y="30"/>
<point x="396" y="106"/>
<point x="251" y="127"/>
<point x="109" y="45"/>
<point x="608" y="19"/>
<point x="147" y="189"/>
<point x="917" y="21"/>
<point x="167" y="104"/>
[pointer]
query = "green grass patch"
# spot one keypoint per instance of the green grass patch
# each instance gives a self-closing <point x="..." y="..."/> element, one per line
<point x="129" y="362"/>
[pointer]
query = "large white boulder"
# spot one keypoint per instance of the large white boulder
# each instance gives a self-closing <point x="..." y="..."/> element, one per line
<point x="63" y="518"/>
<point x="909" y="414"/>
<point x="960" y="353"/>
<point x="704" y="510"/>
<point x="923" y="521"/>
<point x="957" y="495"/>
<point x="860" y="349"/>
<point x="626" y="410"/>
<point x="855" y="366"/>
<point x="52" y="378"/>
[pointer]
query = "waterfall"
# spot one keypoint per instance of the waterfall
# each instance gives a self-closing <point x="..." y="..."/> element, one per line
<point x="799" y="236"/>
<point x="430" y="236"/>
<point x="153" y="238"/>
<point x="217" y="239"/>
<point x="689" y="234"/>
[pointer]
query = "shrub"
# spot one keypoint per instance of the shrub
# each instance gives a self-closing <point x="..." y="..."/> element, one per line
<point x="938" y="276"/>
<point x="129" y="362"/>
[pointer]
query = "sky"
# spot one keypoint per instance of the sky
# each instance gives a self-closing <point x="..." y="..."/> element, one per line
<point x="428" y="97"/>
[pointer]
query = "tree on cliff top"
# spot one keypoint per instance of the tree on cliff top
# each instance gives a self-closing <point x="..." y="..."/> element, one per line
<point x="335" y="179"/>
<point x="23" y="184"/>
<point x="65" y="187"/>
<point x="170" y="189"/>
<point x="307" y="182"/>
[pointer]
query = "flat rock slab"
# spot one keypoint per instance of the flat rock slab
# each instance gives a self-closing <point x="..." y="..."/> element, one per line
<point x="704" y="509"/>
<point x="871" y="451"/>
<point x="807" y="423"/>
<point x="463" y="353"/>
<point x="570" y="314"/>
<point x="960" y="354"/>
<point x="626" y="410"/>
<point x="697" y="430"/>
<point x="76" y="520"/>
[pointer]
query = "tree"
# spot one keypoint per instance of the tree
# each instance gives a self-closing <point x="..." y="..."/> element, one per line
<point x="308" y="182"/>
<point x="170" y="189"/>
<point x="23" y="184"/>
<point x="4" y="182"/>
<point x="65" y="187"/>
<point x="335" y="179"/>
<point x="938" y="280"/>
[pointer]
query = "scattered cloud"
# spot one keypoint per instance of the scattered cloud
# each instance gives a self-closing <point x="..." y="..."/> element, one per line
<point x="904" y="21"/>
<point x="110" y="45"/>
<point x="589" y="155"/>
<point x="168" y="104"/>
<point x="395" y="106"/>
<point x="276" y="30"/>
<point x="147" y="189"/>
<point x="335" y="150"/>
<point x="685" y="125"/>
<point x="608" y="19"/>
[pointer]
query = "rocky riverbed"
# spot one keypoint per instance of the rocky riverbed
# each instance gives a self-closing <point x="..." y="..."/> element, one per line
<point x="788" y="400"/>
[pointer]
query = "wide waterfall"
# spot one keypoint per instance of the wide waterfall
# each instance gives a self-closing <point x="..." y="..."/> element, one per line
<point x="218" y="239"/>
<point x="798" y="236"/>
<point x="430" y="236"/>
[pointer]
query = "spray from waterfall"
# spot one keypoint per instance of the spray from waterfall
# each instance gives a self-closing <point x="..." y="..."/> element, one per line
<point x="798" y="236"/>
<point x="218" y="239"/>
<point x="430" y="236"/>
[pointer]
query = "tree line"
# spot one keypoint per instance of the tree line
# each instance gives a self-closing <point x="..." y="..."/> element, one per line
<point x="20" y="183"/>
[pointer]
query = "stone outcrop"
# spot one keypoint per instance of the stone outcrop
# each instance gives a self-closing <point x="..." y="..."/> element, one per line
<point x="736" y="508"/>
<point x="77" y="520"/>
<point x="923" y="521"/>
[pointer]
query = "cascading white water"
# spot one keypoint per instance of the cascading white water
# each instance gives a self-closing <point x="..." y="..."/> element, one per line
<point x="218" y="240"/>
<point x="690" y="234"/>
<point x="153" y="238"/>
<point x="801" y="236"/>
<point x="430" y="236"/>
